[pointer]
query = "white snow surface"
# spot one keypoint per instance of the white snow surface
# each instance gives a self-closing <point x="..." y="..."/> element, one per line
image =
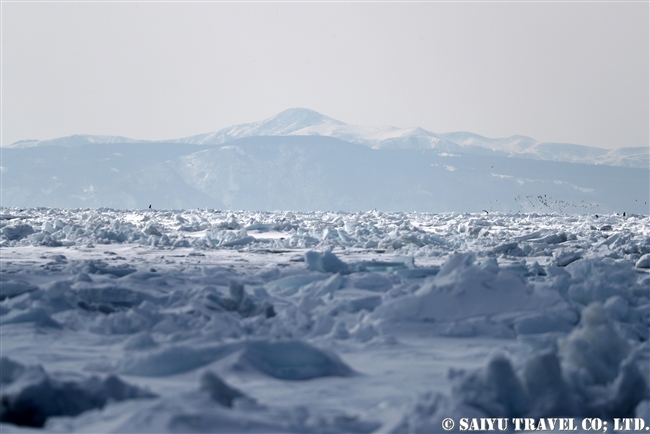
<point x="211" y="321"/>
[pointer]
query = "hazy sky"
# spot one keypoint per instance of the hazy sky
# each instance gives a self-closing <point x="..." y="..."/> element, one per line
<point x="566" y="72"/>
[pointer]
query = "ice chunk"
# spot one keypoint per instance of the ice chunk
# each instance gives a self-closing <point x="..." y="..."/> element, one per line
<point x="564" y="257"/>
<point x="623" y="396"/>
<point x="363" y="332"/>
<point x="36" y="314"/>
<point x="33" y="396"/>
<point x="643" y="411"/>
<point x="17" y="232"/>
<point x="417" y="273"/>
<point x="595" y="348"/>
<point x="14" y="287"/>
<point x="9" y="370"/>
<point x="373" y="282"/>
<point x="236" y="290"/>
<point x="340" y="331"/>
<point x="111" y="295"/>
<point x="93" y="266"/>
<point x="617" y="307"/>
<point x="508" y="248"/>
<point x="644" y="261"/>
<point x="495" y="391"/>
<point x="597" y="280"/>
<point x="139" y="341"/>
<point x="322" y="287"/>
<point x="323" y="325"/>
<point x="557" y="320"/>
<point x="462" y="290"/>
<point x="595" y="379"/>
<point x="152" y="230"/>
<point x="262" y="227"/>
<point x="218" y="389"/>
<point x="456" y="262"/>
<point x="355" y="304"/>
<point x="551" y="396"/>
<point x="239" y="301"/>
<point x="553" y="238"/>
<point x="229" y="238"/>
<point x="325" y="262"/>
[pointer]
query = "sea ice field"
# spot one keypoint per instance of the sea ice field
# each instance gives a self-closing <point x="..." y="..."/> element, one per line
<point x="318" y="322"/>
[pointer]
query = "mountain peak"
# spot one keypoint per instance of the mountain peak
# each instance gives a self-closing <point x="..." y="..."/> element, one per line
<point x="294" y="119"/>
<point x="288" y="122"/>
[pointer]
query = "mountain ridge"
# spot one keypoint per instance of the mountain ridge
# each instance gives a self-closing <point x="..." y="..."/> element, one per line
<point x="307" y="122"/>
<point x="310" y="173"/>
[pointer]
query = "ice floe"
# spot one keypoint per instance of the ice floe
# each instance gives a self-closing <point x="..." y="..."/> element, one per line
<point x="222" y="321"/>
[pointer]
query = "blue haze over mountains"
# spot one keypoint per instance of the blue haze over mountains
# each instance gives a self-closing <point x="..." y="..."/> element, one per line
<point x="303" y="160"/>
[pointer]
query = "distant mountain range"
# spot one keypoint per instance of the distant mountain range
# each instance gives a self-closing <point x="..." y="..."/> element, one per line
<point x="306" y="122"/>
<point x="303" y="160"/>
<point x="311" y="173"/>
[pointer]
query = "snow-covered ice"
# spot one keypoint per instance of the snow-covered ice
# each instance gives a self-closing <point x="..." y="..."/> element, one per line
<point x="217" y="321"/>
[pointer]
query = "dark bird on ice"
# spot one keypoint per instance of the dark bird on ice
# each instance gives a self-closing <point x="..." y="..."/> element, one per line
<point x="149" y="206"/>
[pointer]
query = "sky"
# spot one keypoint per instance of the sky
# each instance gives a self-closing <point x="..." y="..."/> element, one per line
<point x="564" y="72"/>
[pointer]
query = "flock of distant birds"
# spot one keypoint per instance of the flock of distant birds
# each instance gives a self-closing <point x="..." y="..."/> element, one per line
<point x="547" y="202"/>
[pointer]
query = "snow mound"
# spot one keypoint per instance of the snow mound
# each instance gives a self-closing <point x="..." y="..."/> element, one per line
<point x="473" y="298"/>
<point x="292" y="360"/>
<point x="173" y="360"/>
<point x="13" y="287"/>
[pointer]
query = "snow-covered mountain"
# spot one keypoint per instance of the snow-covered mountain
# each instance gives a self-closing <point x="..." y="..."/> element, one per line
<point x="290" y="122"/>
<point x="306" y="122"/>
<point x="311" y="173"/>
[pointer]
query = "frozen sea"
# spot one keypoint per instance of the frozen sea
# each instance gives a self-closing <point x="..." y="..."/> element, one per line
<point x="218" y="321"/>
